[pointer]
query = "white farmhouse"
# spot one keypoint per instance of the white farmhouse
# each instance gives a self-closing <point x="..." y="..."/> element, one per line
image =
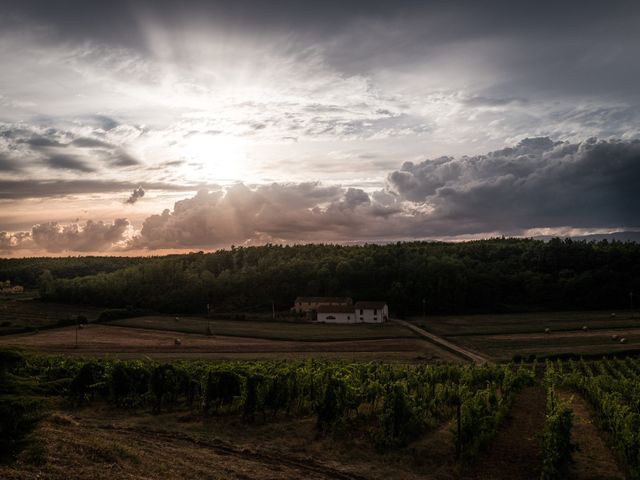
<point x="335" y="314"/>
<point x="371" y="312"/>
<point x="361" y="312"/>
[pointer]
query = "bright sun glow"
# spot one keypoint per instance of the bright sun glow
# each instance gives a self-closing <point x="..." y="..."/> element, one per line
<point x="223" y="157"/>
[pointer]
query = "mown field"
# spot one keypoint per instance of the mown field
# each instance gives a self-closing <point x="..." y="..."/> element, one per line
<point x="18" y="312"/>
<point x="298" y="331"/>
<point x="508" y="336"/>
<point x="98" y="340"/>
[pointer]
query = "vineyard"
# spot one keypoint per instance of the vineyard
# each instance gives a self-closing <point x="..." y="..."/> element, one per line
<point x="394" y="403"/>
<point x="612" y="387"/>
<point x="390" y="406"/>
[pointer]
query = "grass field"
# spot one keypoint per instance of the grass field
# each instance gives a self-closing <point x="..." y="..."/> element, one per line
<point x="99" y="442"/>
<point x="302" y="332"/>
<point x="16" y="313"/>
<point x="502" y="337"/>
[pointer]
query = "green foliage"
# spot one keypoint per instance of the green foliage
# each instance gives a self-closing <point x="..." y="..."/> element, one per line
<point x="398" y="420"/>
<point x="613" y="389"/>
<point x="478" y="276"/>
<point x="19" y="414"/>
<point x="331" y="408"/>
<point x="88" y="381"/>
<point x="129" y="383"/>
<point x="221" y="388"/>
<point x="21" y="408"/>
<point x="556" y="438"/>
<point x="164" y="385"/>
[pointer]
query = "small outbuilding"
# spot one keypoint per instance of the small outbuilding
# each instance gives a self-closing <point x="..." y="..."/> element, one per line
<point x="372" y="312"/>
<point x="312" y="304"/>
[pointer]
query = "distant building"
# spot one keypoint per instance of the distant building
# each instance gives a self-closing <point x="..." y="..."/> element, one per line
<point x="312" y="304"/>
<point x="361" y="312"/>
<point x="336" y="314"/>
<point x="371" y="312"/>
<point x="14" y="289"/>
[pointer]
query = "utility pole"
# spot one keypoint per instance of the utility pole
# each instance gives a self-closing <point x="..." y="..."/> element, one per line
<point x="273" y="309"/>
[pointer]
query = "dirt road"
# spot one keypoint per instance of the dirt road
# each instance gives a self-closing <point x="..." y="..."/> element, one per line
<point x="441" y="342"/>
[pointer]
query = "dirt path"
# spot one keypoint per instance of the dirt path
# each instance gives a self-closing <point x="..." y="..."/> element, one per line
<point x="515" y="452"/>
<point x="593" y="460"/>
<point x="305" y="465"/>
<point x="441" y="342"/>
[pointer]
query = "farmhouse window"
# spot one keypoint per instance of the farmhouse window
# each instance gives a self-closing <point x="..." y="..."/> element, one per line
<point x="375" y="311"/>
<point x="361" y="312"/>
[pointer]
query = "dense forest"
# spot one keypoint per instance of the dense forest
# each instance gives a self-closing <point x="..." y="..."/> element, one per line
<point x="496" y="275"/>
<point x="27" y="271"/>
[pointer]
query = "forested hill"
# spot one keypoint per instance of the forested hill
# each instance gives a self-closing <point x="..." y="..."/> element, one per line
<point x="480" y="276"/>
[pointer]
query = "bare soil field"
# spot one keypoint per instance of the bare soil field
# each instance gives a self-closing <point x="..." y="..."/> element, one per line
<point x="126" y="342"/>
<point x="298" y="331"/>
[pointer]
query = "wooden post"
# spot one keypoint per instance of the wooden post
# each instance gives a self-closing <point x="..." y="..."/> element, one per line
<point x="459" y="421"/>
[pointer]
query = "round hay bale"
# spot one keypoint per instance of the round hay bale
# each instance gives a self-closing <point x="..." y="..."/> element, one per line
<point x="177" y="341"/>
<point x="546" y="330"/>
<point x="585" y="328"/>
<point x="614" y="337"/>
<point x="613" y="314"/>
<point x="81" y="326"/>
<point x="177" y="319"/>
<point x="623" y="340"/>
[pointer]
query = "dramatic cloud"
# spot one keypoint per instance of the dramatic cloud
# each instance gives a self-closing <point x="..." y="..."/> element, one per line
<point x="54" y="238"/>
<point x="294" y="118"/>
<point x="136" y="195"/>
<point x="67" y="162"/>
<point x="538" y="183"/>
<point x="20" y="189"/>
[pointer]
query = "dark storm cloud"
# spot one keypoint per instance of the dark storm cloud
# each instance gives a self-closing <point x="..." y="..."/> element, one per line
<point x="536" y="184"/>
<point x="18" y="189"/>
<point x="7" y="164"/>
<point x="571" y="47"/>
<point x="65" y="148"/>
<point x="136" y="195"/>
<point x="120" y="158"/>
<point x="67" y="162"/>
<point x="85" y="142"/>
<point x="39" y="141"/>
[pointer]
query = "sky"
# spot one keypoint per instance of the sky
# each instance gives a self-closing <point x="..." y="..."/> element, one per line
<point x="146" y="127"/>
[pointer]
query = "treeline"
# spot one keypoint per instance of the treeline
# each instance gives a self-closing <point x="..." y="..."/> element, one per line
<point x="497" y="275"/>
<point x="27" y="271"/>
